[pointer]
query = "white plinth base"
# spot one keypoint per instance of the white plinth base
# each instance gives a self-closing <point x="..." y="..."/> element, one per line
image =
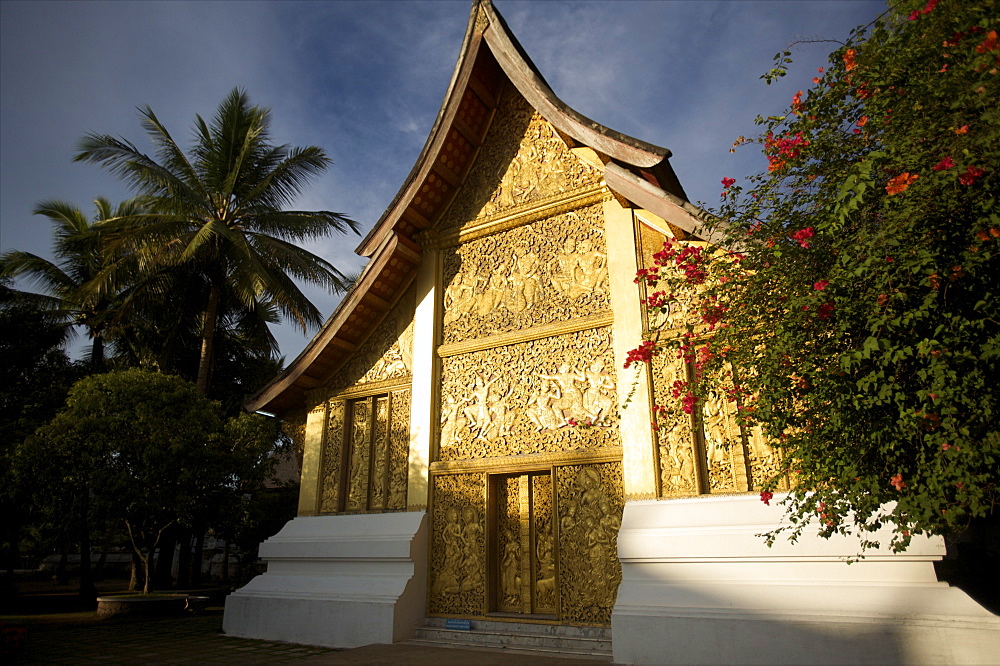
<point x="698" y="586"/>
<point x="339" y="581"/>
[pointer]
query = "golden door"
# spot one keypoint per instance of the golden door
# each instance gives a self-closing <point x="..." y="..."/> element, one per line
<point x="523" y="570"/>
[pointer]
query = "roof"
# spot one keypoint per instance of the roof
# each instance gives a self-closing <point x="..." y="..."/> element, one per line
<point x="636" y="171"/>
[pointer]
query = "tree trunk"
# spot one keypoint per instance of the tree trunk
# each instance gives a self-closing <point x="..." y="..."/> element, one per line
<point x="184" y="559"/>
<point x="109" y="541"/>
<point x="88" y="593"/>
<point x="208" y="339"/>
<point x="199" y="555"/>
<point x="133" y="581"/>
<point x="163" y="572"/>
<point x="224" y="574"/>
<point x="97" y="352"/>
<point x="62" y="575"/>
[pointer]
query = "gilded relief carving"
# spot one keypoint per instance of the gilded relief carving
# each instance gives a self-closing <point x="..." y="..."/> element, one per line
<point x="360" y="455"/>
<point x="522" y="398"/>
<point x="399" y="448"/>
<point x="544" y="569"/>
<point x="386" y="354"/>
<point x="522" y="160"/>
<point x="550" y="270"/>
<point x="590" y="507"/>
<point x="458" y="545"/>
<point x="380" y="455"/>
<point x="332" y="455"/>
<point x="509" y="545"/>
<point x="294" y="428"/>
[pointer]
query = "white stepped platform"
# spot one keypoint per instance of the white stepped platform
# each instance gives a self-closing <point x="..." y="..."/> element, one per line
<point x="699" y="587"/>
<point x="580" y="642"/>
<point x="339" y="581"/>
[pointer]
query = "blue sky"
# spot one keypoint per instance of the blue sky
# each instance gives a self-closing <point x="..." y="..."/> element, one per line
<point x="365" y="80"/>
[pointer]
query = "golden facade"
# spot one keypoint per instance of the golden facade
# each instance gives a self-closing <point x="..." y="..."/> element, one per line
<point x="526" y="479"/>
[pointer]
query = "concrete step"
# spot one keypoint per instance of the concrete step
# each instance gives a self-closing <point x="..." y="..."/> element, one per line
<point x="528" y="637"/>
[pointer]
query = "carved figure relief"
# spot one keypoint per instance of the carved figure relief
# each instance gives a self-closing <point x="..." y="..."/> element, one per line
<point x="399" y="448"/>
<point x="294" y="427"/>
<point x="333" y="452"/>
<point x="386" y="354"/>
<point x="458" y="545"/>
<point x="590" y="512"/>
<point x="707" y="451"/>
<point x="546" y="271"/>
<point x="360" y="455"/>
<point x="523" y="159"/>
<point x="521" y="398"/>
<point x="368" y="439"/>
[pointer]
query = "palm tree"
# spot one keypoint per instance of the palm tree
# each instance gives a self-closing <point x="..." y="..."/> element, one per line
<point x="219" y="212"/>
<point x="67" y="283"/>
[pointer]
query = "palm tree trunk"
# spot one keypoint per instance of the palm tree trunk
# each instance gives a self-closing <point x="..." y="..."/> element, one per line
<point x="97" y="352"/>
<point x="208" y="339"/>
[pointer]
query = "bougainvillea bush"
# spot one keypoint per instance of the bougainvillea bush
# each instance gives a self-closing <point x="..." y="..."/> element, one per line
<point x="853" y="300"/>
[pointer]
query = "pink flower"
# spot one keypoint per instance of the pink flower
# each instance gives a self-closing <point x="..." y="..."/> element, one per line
<point x="946" y="163"/>
<point x="728" y="182"/>
<point x="641" y="354"/>
<point x="766" y="496"/>
<point x="821" y="285"/>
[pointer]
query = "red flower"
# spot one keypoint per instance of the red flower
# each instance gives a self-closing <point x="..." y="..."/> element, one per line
<point x="971" y="175"/>
<point x="964" y="129"/>
<point x="946" y="163"/>
<point x="766" y="496"/>
<point x="897" y="482"/>
<point x="803" y="236"/>
<point x="728" y="182"/>
<point x="825" y="310"/>
<point x="821" y="285"/>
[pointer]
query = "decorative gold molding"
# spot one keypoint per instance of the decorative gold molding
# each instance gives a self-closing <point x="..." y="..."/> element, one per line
<point x="633" y="497"/>
<point x="562" y="202"/>
<point x="529" y="462"/>
<point x="372" y="388"/>
<point x="535" y="333"/>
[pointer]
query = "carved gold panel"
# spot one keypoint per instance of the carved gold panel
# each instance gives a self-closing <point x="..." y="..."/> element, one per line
<point x="294" y="428"/>
<point x="707" y="451"/>
<point x="333" y="452"/>
<point x="458" y="545"/>
<point x="524" y="551"/>
<point x="387" y="353"/>
<point x="365" y="453"/>
<point x="550" y="270"/>
<point x="522" y="160"/>
<point x="590" y="504"/>
<point x="360" y="454"/>
<point x="521" y="398"/>
<point x="399" y="448"/>
<point x="681" y="310"/>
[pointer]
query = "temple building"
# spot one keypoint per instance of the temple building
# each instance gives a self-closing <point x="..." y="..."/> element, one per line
<point x="474" y="456"/>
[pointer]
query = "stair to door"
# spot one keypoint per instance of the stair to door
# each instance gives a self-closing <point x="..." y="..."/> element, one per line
<point x="580" y="642"/>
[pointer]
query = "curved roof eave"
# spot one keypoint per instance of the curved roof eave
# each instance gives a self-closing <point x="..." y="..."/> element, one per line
<point x="634" y="169"/>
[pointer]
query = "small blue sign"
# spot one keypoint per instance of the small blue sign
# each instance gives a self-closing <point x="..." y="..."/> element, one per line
<point x="455" y="623"/>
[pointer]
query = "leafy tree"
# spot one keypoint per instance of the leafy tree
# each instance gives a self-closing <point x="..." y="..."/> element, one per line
<point x="35" y="376"/>
<point x="68" y="283"/>
<point x="852" y="309"/>
<point x="141" y="446"/>
<point x="219" y="212"/>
